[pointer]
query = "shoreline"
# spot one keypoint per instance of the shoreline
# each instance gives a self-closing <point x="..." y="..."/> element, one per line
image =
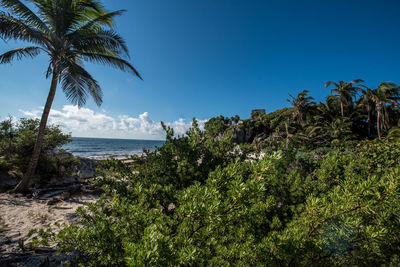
<point x="106" y="157"/>
<point x="101" y="149"/>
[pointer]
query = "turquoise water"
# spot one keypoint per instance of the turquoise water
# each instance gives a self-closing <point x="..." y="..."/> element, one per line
<point x="101" y="148"/>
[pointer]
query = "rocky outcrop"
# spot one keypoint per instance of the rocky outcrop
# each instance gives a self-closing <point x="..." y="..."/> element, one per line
<point x="243" y="134"/>
<point x="87" y="168"/>
<point x="70" y="174"/>
<point x="9" y="180"/>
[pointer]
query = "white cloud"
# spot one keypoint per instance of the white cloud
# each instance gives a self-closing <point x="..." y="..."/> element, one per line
<point x="84" y="122"/>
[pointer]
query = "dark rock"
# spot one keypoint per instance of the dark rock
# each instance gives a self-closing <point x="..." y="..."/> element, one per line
<point x="242" y="134"/>
<point x="64" y="180"/>
<point x="41" y="257"/>
<point x="63" y="155"/>
<point x="84" y="174"/>
<point x="9" y="180"/>
<point x="44" y="250"/>
<point x="87" y="168"/>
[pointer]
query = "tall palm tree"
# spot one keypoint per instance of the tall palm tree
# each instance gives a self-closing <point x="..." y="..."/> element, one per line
<point x="312" y="135"/>
<point x="301" y="104"/>
<point x="386" y="93"/>
<point x="69" y="32"/>
<point x="345" y="91"/>
<point x="365" y="100"/>
<point x="326" y="112"/>
<point x="289" y="132"/>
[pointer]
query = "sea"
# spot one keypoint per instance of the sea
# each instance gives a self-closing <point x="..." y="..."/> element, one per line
<point x="103" y="148"/>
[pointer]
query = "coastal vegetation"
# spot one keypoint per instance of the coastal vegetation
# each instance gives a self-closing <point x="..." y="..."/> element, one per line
<point x="313" y="184"/>
<point x="17" y="141"/>
<point x="70" y="32"/>
<point x="309" y="185"/>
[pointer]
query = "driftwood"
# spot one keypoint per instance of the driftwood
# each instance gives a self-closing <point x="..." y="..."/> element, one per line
<point x="63" y="191"/>
<point x="51" y="193"/>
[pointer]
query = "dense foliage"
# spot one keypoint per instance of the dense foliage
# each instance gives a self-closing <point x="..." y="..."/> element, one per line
<point x="17" y="140"/>
<point x="318" y="207"/>
<point x="325" y="192"/>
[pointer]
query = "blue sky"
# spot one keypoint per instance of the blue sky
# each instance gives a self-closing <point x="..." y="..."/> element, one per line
<point x="211" y="57"/>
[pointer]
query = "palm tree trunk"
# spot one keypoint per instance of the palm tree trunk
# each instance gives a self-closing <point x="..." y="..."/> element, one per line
<point x="378" y="125"/>
<point x="385" y="118"/>
<point x="287" y="135"/>
<point x="341" y="108"/>
<point x="369" y="119"/>
<point x="23" y="185"/>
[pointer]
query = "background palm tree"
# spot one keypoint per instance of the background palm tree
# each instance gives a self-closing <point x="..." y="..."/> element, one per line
<point x="366" y="101"/>
<point x="345" y="91"/>
<point x="386" y="93"/>
<point x="302" y="104"/>
<point x="69" y="32"/>
<point x="326" y="111"/>
<point x="289" y="132"/>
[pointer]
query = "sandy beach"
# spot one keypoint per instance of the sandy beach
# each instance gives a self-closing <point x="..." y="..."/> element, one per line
<point x="21" y="214"/>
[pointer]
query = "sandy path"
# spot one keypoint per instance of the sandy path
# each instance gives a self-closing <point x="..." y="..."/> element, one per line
<point x="18" y="215"/>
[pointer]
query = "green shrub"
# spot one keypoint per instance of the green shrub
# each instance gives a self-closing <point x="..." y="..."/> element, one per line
<point x="17" y="140"/>
<point x="187" y="205"/>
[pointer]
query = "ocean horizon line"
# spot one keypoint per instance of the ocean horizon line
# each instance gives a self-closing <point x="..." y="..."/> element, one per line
<point x="112" y="138"/>
<point x="95" y="147"/>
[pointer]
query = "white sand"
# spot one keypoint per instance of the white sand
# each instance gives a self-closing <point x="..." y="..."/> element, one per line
<point x="18" y="215"/>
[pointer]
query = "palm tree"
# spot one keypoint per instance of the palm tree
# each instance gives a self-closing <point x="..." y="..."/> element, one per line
<point x="69" y="32"/>
<point x="386" y="93"/>
<point x="339" y="130"/>
<point x="326" y="112"/>
<point x="365" y="100"/>
<point x="301" y="104"/>
<point x="345" y="91"/>
<point x="312" y="135"/>
<point x="289" y="132"/>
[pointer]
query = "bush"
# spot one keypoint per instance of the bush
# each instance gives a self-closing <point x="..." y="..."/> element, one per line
<point x="17" y="140"/>
<point x="187" y="205"/>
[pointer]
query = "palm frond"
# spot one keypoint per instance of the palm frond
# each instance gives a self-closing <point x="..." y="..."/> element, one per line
<point x="363" y="89"/>
<point x="96" y="23"/>
<point x="78" y="84"/>
<point x="84" y="11"/>
<point x="394" y="133"/>
<point x="356" y="81"/>
<point x="111" y="61"/>
<point x="92" y="8"/>
<point x="22" y="11"/>
<point x="100" y="42"/>
<point x="44" y="9"/>
<point x="20" y="53"/>
<point x="12" y="28"/>
<point x="329" y="83"/>
<point x="291" y="101"/>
